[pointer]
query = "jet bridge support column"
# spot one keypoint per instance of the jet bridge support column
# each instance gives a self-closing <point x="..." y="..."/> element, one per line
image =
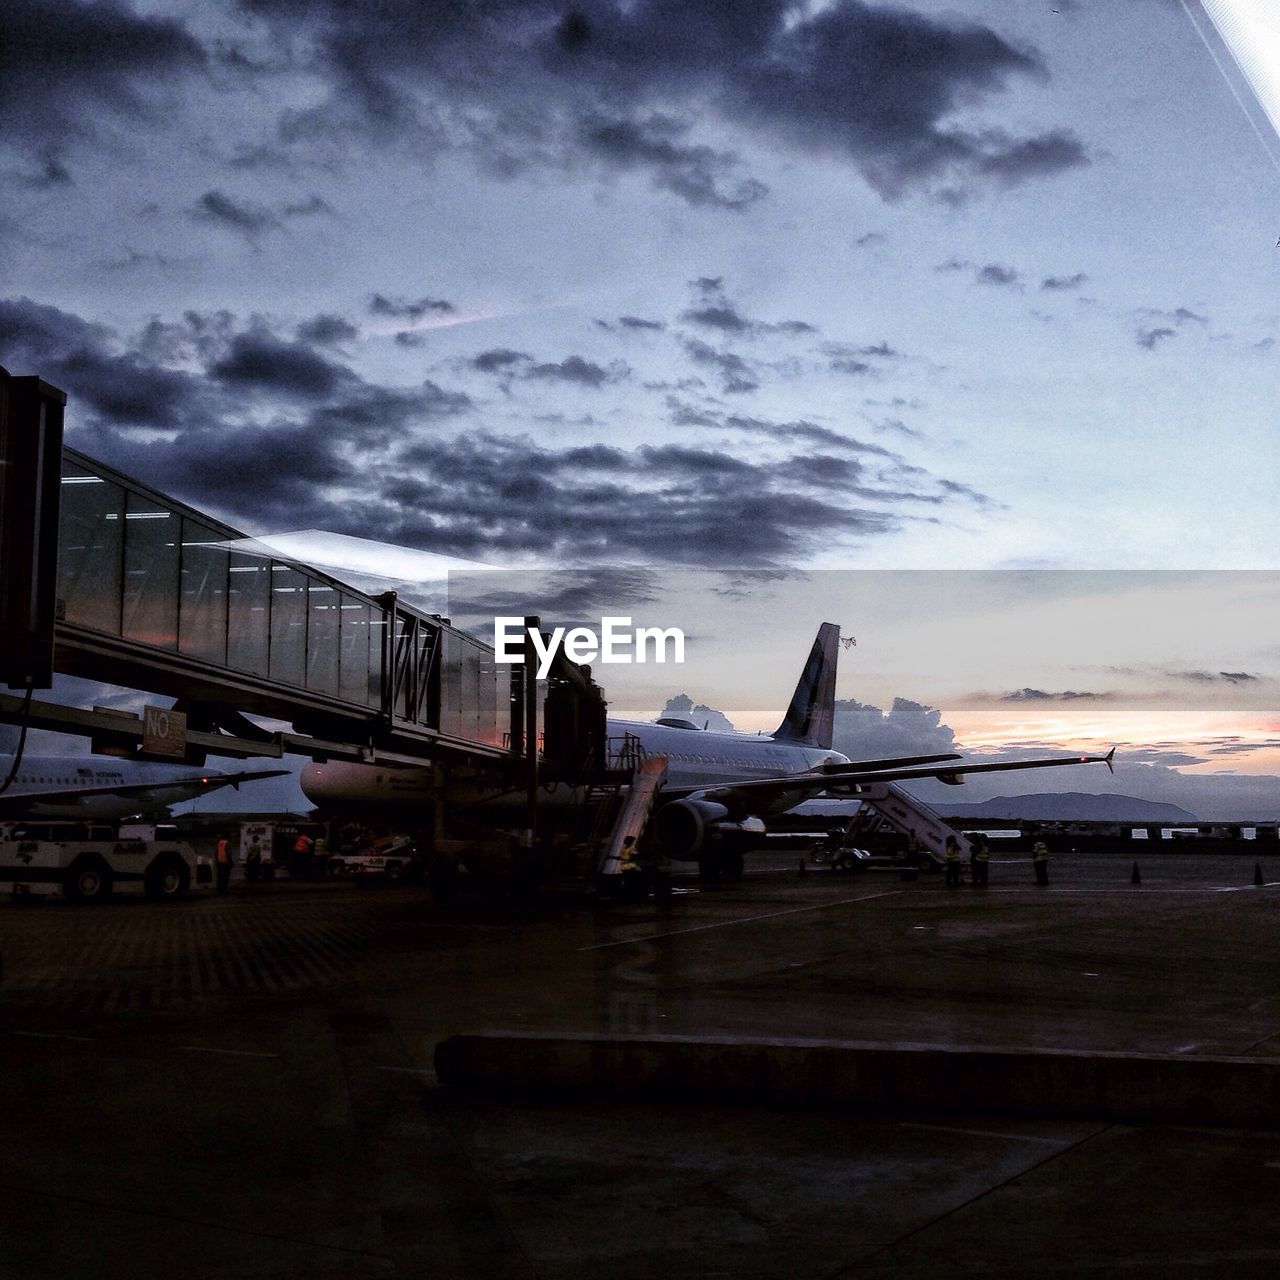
<point x="31" y="413"/>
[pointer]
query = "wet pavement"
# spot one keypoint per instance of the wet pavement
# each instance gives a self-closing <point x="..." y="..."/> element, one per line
<point x="244" y="1086"/>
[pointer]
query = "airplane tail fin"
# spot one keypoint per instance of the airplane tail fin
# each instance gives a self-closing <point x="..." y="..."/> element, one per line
<point x="811" y="715"/>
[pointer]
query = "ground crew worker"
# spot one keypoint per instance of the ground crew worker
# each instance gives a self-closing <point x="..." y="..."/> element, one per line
<point x="629" y="866"/>
<point x="222" y="864"/>
<point x="951" y="856"/>
<point x="300" y="863"/>
<point x="981" y="861"/>
<point x="913" y="848"/>
<point x="1040" y="860"/>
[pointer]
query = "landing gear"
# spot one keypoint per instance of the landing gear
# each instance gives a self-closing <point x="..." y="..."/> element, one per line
<point x="720" y="866"/>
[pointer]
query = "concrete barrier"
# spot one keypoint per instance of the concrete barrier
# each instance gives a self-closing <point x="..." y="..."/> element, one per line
<point x="1043" y="1082"/>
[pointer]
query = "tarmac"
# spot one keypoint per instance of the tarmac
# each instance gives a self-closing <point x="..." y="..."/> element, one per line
<point x="246" y="1086"/>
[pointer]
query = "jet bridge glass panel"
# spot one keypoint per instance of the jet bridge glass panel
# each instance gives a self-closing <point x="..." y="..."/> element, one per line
<point x="288" y="660"/>
<point x="150" y="572"/>
<point x="90" y="550"/>
<point x="322" y="637"/>
<point x="202" y="605"/>
<point x="248" y="612"/>
<point x="354" y="652"/>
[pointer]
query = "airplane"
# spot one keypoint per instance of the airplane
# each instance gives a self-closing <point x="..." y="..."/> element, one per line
<point x="719" y="787"/>
<point x="98" y="788"/>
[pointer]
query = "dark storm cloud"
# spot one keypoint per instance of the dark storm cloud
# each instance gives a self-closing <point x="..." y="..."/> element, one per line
<point x="621" y="84"/>
<point x="714" y="310"/>
<point x="67" y="71"/>
<point x="722" y="317"/>
<point x="1149" y="338"/>
<point x="263" y="425"/>
<point x="995" y="274"/>
<point x="399" y="309"/>
<point x="327" y="330"/>
<point x="498" y="360"/>
<point x="1059" y="283"/>
<point x="631" y="324"/>
<point x="1040" y="695"/>
<point x="585" y="373"/>
<point x="846" y="357"/>
<point x="807" y="433"/>
<point x="698" y="174"/>
<point x="1215" y="677"/>
<point x="1157" y="325"/>
<point x="1230" y="748"/>
<point x="218" y="448"/>
<point x="686" y="415"/>
<point x="123" y="387"/>
<point x="485" y="493"/>
<point x="736" y="375"/>
<point x="218" y="209"/>
<point x="569" y="596"/>
<point x="1048" y="153"/>
<point x="958" y="490"/>
<point x="260" y="360"/>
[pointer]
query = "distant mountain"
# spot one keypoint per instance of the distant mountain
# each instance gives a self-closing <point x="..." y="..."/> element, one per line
<point x="1077" y="806"/>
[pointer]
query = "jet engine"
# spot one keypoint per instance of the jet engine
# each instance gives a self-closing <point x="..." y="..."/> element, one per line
<point x="684" y="828"/>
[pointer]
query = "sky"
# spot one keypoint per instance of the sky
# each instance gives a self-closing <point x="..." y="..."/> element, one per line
<point x="961" y="286"/>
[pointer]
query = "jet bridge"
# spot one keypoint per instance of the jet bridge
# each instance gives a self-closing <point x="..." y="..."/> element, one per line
<point x="150" y="593"/>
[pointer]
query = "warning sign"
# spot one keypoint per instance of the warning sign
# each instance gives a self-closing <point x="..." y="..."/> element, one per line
<point x="164" y="732"/>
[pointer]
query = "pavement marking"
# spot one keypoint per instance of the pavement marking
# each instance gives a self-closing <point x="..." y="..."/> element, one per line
<point x="234" y="1053"/>
<point x="985" y="1133"/>
<point x="723" y="924"/>
<point x="52" y="1035"/>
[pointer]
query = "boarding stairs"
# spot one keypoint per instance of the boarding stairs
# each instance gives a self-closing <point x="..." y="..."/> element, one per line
<point x="646" y="782"/>
<point x="905" y="814"/>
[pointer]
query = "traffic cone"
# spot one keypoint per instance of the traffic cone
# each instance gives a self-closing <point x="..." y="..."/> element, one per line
<point x="1136" y="876"/>
<point x="1257" y="874"/>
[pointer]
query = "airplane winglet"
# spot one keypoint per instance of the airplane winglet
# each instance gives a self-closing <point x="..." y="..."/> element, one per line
<point x="1107" y="760"/>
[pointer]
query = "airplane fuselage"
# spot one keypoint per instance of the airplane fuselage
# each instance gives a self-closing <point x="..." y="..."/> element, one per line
<point x="41" y="780"/>
<point x="695" y="758"/>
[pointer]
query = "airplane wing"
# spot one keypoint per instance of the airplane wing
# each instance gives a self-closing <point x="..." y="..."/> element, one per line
<point x="953" y="774"/>
<point x="21" y="803"/>
<point x="893" y="762"/>
<point x="843" y="779"/>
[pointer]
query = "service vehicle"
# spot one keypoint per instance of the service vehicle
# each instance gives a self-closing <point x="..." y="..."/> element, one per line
<point x="389" y="857"/>
<point x="87" y="862"/>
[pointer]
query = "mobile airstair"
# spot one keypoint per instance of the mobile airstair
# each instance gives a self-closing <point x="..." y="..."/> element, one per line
<point x="641" y="796"/>
<point x="909" y="816"/>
